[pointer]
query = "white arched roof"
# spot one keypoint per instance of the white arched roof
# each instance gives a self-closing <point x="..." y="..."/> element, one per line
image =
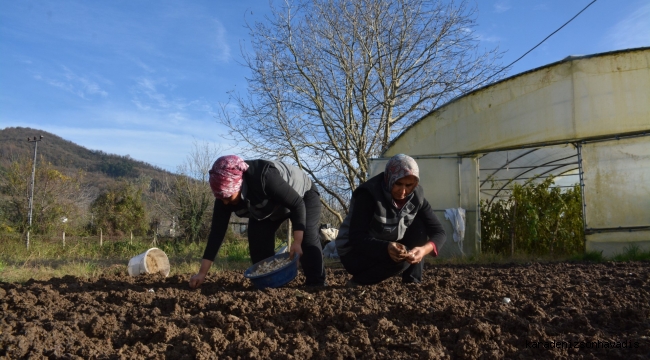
<point x="577" y="98"/>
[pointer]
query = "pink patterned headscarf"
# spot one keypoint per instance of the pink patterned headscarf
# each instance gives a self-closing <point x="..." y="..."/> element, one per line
<point x="400" y="166"/>
<point x="226" y="176"/>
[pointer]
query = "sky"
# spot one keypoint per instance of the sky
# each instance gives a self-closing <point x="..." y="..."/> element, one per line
<point x="146" y="78"/>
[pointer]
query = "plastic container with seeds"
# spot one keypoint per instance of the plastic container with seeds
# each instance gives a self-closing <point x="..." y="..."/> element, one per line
<point x="275" y="271"/>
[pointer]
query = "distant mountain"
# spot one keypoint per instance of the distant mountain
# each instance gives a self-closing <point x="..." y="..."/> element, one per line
<point x="101" y="169"/>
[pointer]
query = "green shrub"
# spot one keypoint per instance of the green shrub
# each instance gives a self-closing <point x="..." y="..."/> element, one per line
<point x="537" y="218"/>
<point x="120" y="210"/>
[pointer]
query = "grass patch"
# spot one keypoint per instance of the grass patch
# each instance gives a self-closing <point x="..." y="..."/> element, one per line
<point x="632" y="253"/>
<point x="85" y="257"/>
<point x="235" y="250"/>
<point x="45" y="271"/>
<point x="591" y="256"/>
<point x="492" y="258"/>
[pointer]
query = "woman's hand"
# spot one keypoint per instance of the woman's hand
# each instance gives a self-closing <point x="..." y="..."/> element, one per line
<point x="296" y="244"/>
<point x="418" y="253"/>
<point x="397" y="252"/>
<point x="197" y="280"/>
<point x="295" y="249"/>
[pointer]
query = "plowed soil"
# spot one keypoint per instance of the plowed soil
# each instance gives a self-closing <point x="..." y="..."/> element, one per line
<point x="556" y="310"/>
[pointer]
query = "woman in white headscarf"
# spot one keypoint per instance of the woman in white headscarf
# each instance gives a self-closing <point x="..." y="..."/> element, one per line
<point x="390" y="227"/>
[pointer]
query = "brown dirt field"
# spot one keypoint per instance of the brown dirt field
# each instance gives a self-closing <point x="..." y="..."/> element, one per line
<point x="456" y="313"/>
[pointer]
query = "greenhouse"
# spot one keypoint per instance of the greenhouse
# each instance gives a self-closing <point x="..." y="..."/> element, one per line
<point x="584" y="120"/>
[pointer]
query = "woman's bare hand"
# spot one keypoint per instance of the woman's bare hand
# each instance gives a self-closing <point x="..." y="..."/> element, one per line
<point x="416" y="255"/>
<point x="397" y="252"/>
<point x="197" y="280"/>
<point x="294" y="249"/>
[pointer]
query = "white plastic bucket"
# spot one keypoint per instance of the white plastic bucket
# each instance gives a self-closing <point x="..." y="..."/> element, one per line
<point x="151" y="261"/>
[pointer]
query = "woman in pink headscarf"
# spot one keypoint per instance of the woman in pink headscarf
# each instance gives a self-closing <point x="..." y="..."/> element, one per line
<point x="390" y="227"/>
<point x="268" y="193"/>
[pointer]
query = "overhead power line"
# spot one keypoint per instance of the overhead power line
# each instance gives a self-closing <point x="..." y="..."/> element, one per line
<point x="540" y="43"/>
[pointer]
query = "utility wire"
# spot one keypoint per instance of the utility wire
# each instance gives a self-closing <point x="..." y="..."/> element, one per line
<point x="540" y="43"/>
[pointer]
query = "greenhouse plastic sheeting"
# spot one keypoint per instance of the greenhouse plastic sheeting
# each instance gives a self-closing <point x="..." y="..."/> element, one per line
<point x="617" y="192"/>
<point x="617" y="183"/>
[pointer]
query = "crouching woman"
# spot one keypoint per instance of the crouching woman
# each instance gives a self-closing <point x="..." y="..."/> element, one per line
<point x="390" y="227"/>
<point x="268" y="193"/>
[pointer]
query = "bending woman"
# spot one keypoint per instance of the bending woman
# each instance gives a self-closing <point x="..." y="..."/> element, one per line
<point x="268" y="193"/>
<point x="390" y="227"/>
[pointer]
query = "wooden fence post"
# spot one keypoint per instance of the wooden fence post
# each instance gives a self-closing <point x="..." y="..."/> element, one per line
<point x="64" y="238"/>
<point x="512" y="230"/>
<point x="288" y="234"/>
<point x="101" y="240"/>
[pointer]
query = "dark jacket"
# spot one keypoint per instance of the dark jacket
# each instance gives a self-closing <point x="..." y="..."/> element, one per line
<point x="270" y="190"/>
<point x="387" y="223"/>
<point x="264" y="195"/>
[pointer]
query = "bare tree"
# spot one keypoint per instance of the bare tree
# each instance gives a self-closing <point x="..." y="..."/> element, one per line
<point x="187" y="196"/>
<point x="333" y="81"/>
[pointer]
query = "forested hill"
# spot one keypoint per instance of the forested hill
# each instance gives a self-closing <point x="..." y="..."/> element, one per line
<point x="67" y="156"/>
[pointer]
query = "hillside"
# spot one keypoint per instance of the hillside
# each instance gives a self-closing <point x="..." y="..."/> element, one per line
<point x="101" y="169"/>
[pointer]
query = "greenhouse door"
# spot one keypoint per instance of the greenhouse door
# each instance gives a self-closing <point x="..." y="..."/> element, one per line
<point x="616" y="182"/>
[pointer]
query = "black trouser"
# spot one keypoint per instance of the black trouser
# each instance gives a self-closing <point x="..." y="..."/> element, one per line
<point x="368" y="269"/>
<point x="261" y="239"/>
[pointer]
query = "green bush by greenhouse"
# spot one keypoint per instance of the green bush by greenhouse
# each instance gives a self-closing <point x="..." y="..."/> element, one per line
<point x="536" y="219"/>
